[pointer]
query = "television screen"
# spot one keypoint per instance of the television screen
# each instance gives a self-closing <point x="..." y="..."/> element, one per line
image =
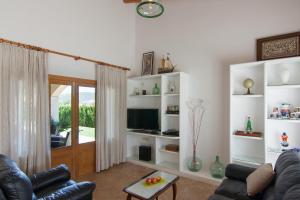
<point x="146" y="119"/>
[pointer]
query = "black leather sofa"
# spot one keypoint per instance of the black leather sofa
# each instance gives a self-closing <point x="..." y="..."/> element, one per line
<point x="285" y="185"/>
<point x="54" y="184"/>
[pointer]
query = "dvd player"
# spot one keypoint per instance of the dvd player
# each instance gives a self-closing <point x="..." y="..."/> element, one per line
<point x="171" y="132"/>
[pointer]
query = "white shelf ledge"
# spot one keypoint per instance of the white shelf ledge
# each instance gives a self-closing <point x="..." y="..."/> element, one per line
<point x="147" y="95"/>
<point x="171" y="94"/>
<point x="153" y="135"/>
<point x="255" y="161"/>
<point x="170" y="165"/>
<point x="136" y="158"/>
<point x="285" y="120"/>
<point x="156" y="76"/>
<point x="172" y="115"/>
<point x="248" y="96"/>
<point x="169" y="152"/>
<point x="248" y="137"/>
<point x="284" y="86"/>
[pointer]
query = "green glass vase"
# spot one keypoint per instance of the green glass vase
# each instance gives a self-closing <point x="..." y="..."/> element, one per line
<point x="217" y="169"/>
<point x="194" y="163"/>
<point x="156" y="89"/>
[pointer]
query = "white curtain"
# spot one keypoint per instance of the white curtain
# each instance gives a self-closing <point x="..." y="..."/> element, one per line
<point x="24" y="118"/>
<point x="111" y="117"/>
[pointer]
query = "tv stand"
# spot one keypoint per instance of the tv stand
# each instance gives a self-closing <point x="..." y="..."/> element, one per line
<point x="152" y="132"/>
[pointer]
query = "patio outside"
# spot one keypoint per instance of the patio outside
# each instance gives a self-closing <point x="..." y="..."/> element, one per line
<point x="61" y="114"/>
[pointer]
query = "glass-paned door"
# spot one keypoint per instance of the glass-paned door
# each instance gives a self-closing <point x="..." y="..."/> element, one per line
<point x="61" y="115"/>
<point x="87" y="114"/>
<point x="72" y="125"/>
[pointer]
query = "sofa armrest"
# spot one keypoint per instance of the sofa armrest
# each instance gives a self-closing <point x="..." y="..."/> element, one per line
<point x="82" y="190"/>
<point x="238" y="172"/>
<point x="45" y="179"/>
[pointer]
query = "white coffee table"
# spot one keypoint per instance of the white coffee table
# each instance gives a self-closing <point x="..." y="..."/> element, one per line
<point x="143" y="191"/>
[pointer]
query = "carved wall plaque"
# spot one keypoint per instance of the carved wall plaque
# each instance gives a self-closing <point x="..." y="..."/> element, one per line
<point x="281" y="46"/>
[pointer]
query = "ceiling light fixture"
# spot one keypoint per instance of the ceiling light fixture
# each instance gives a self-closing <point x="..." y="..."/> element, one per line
<point x="150" y="8"/>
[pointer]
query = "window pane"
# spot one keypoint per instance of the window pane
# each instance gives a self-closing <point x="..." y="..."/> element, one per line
<point x="61" y="115"/>
<point x="87" y="114"/>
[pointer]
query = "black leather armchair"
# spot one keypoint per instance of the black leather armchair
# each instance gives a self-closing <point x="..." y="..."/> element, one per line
<point x="54" y="184"/>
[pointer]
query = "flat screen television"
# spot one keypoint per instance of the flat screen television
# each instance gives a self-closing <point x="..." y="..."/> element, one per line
<point x="145" y="119"/>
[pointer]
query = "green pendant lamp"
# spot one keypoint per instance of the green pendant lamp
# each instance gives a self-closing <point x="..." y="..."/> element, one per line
<point x="150" y="8"/>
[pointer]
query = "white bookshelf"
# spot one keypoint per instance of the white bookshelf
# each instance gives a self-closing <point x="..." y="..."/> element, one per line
<point x="160" y="156"/>
<point x="268" y="92"/>
<point x="174" y="162"/>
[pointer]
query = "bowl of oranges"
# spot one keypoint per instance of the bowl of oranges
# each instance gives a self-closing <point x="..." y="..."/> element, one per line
<point x="153" y="180"/>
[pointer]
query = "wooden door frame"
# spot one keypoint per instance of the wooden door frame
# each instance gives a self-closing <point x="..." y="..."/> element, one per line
<point x="75" y="83"/>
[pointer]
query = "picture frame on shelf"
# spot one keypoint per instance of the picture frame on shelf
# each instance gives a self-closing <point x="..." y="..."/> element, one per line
<point x="280" y="46"/>
<point x="147" y="63"/>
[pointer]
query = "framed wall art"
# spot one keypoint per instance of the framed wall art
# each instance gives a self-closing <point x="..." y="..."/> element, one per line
<point x="147" y="65"/>
<point x="280" y="46"/>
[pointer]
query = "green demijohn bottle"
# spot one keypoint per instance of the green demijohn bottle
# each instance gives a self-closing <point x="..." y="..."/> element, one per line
<point x="217" y="169"/>
<point x="156" y="89"/>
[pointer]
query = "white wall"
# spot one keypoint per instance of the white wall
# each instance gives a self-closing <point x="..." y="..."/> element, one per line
<point x="204" y="37"/>
<point x="99" y="29"/>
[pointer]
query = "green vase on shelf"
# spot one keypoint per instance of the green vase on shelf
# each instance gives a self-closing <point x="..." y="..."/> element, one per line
<point x="156" y="89"/>
<point x="217" y="169"/>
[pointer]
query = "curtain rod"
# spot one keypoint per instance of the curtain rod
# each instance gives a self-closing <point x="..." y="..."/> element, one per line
<point x="36" y="48"/>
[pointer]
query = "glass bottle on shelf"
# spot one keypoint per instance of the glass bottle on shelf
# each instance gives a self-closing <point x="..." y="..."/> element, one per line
<point x="249" y="125"/>
<point x="156" y="89"/>
<point x="172" y="87"/>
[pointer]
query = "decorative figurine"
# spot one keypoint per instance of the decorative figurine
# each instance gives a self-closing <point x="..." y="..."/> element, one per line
<point x="249" y="125"/>
<point x="276" y="114"/>
<point x="284" y="140"/>
<point x="296" y="114"/>
<point x="248" y="84"/>
<point x="285" y="110"/>
<point x="156" y="89"/>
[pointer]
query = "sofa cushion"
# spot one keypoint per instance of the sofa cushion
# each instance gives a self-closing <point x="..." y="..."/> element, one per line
<point x="286" y="179"/>
<point x="2" y="197"/>
<point x="13" y="182"/>
<point x="268" y="194"/>
<point x="53" y="176"/>
<point x="233" y="189"/>
<point x="258" y="180"/>
<point x="238" y="172"/>
<point x="53" y="188"/>
<point x="285" y="160"/>
<point x="293" y="193"/>
<point x="219" y="197"/>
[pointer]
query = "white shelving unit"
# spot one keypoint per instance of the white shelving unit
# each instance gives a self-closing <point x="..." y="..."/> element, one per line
<point x="161" y="158"/>
<point x="268" y="92"/>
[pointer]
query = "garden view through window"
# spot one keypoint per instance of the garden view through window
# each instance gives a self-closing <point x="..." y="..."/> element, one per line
<point x="61" y="115"/>
<point x="87" y="114"/>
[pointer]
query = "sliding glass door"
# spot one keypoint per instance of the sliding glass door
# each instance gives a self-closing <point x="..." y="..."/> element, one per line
<point x="72" y="125"/>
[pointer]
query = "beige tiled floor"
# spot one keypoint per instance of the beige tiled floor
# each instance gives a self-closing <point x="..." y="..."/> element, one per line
<point x="110" y="184"/>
